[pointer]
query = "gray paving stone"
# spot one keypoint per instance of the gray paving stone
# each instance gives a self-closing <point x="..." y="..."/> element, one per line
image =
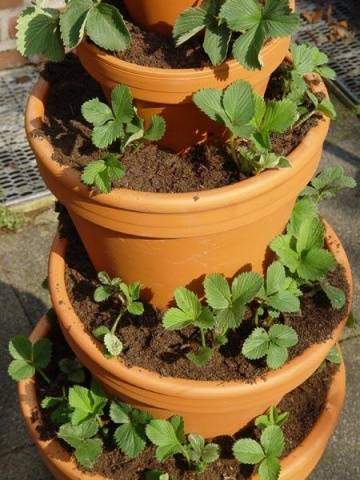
<point x="24" y="464"/>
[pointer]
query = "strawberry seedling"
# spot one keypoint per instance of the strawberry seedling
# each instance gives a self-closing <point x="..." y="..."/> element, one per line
<point x="29" y="358"/>
<point x="327" y="184"/>
<point x="128" y="295"/>
<point x="272" y="418"/>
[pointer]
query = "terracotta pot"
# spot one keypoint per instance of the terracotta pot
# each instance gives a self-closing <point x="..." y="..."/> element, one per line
<point x="168" y="92"/>
<point x="296" y="466"/>
<point x="146" y="236"/>
<point x="210" y="408"/>
<point x="158" y="15"/>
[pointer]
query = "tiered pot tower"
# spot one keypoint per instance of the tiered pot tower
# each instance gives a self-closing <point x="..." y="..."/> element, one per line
<point x="178" y="239"/>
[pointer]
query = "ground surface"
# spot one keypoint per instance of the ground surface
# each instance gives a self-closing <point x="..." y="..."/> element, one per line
<point x="23" y="262"/>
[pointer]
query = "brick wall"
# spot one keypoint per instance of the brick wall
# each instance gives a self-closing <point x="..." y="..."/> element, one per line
<point x="9" y="10"/>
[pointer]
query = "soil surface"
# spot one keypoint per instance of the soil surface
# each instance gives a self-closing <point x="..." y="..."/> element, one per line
<point x="305" y="405"/>
<point x="148" y="345"/>
<point x="149" y="168"/>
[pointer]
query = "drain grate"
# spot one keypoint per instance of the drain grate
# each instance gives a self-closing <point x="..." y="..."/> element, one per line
<point x="344" y="55"/>
<point x="19" y="178"/>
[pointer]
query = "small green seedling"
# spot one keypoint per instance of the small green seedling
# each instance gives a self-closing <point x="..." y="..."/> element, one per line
<point x="118" y="122"/>
<point x="279" y="293"/>
<point x="170" y="439"/>
<point x="83" y="439"/>
<point x="129" y="297"/>
<point x="222" y="21"/>
<point x="47" y="31"/>
<point x="327" y="184"/>
<point x="29" y="358"/>
<point x="189" y="311"/>
<point x="248" y="116"/>
<point x="87" y="403"/>
<point x="302" y="252"/>
<point x="229" y="303"/>
<point x="272" y="418"/>
<point x="273" y="344"/>
<point x="73" y="370"/>
<point x="324" y="106"/>
<point x="334" y="356"/>
<point x="130" y="436"/>
<point x="266" y="453"/>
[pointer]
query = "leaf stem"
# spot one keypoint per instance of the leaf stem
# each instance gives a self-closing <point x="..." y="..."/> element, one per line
<point x="203" y="340"/>
<point x="304" y="119"/>
<point x="44" y="376"/>
<point x="123" y="309"/>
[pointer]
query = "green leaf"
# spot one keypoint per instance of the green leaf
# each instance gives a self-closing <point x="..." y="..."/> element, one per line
<point x="113" y="344"/>
<point x="304" y="209"/>
<point x="188" y="24"/>
<point x="42" y="353"/>
<point x="201" y="357"/>
<point x="20" y="348"/>
<point x="157" y="129"/>
<point x="217" y="291"/>
<point x="328" y="183"/>
<point x="279" y="116"/>
<point x="316" y="264"/>
<point x="51" y="402"/>
<point x="269" y="469"/>
<point x="122" y="103"/>
<point x="136" y="308"/>
<point x="38" y="32"/>
<point x="278" y="19"/>
<point x="277" y="355"/>
<point x="327" y="107"/>
<point x="96" y="112"/>
<point x="163" y="434"/>
<point x="275" y="278"/>
<point x="100" y="332"/>
<point x="241" y="16"/>
<point x="73" y="20"/>
<point x="284" y="301"/>
<point x="239" y="103"/>
<point x="246" y="49"/>
<point x="335" y="295"/>
<point x="176" y="319"/>
<point x="188" y="302"/>
<point x="248" y="451"/>
<point x="209" y="101"/>
<point x="272" y="441"/>
<point x="120" y="412"/>
<point x="216" y="42"/>
<point x="257" y="344"/>
<point x="104" y="135"/>
<point x="334" y="356"/>
<point x="246" y="286"/>
<point x="129" y="440"/>
<point x="75" y="434"/>
<point x="106" y="28"/>
<point x="88" y="452"/>
<point x="102" y="293"/>
<point x="20" y="370"/>
<point x="351" y="321"/>
<point x="102" y="173"/>
<point x="281" y="245"/>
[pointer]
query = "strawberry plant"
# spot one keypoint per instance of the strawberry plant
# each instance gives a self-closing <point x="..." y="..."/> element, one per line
<point x="130" y="435"/>
<point x="29" y="358"/>
<point x="334" y="356"/>
<point x="48" y="31"/>
<point x="87" y="403"/>
<point x="248" y="117"/>
<point x="272" y="418"/>
<point x="128" y="295"/>
<point x="327" y="184"/>
<point x="170" y="439"/>
<point x="266" y="453"/>
<point x="249" y="24"/>
<point x="272" y="344"/>
<point x="118" y="122"/>
<point x="72" y="369"/>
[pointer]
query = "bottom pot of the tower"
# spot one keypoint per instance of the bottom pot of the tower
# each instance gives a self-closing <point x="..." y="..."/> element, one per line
<point x="81" y="434"/>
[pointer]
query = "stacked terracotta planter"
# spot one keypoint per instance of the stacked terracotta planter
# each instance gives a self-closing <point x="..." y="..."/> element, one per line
<point x="221" y="230"/>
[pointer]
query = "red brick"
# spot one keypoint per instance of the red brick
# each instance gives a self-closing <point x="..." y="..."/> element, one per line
<point x="11" y="59"/>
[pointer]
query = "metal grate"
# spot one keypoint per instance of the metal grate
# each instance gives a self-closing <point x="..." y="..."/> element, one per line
<point x="344" y="55"/>
<point x="19" y="178"/>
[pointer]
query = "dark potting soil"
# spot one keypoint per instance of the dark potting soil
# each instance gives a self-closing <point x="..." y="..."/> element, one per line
<point x="148" y="345"/>
<point x="150" y="168"/>
<point x="305" y="404"/>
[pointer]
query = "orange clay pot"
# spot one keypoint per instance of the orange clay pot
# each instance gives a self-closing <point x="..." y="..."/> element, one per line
<point x="168" y="92"/>
<point x="210" y="408"/>
<point x="167" y="240"/>
<point x="296" y="466"/>
<point x="158" y="15"/>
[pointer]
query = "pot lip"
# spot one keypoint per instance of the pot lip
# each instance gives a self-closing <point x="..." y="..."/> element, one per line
<point x="153" y="381"/>
<point x="151" y="202"/>
<point x="61" y="460"/>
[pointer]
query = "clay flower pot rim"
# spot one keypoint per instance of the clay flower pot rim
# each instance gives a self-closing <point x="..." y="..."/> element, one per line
<point x="197" y="201"/>
<point x="303" y="458"/>
<point x="172" y="386"/>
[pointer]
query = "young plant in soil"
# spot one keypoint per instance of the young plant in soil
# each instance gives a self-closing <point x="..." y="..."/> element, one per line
<point x="29" y="358"/>
<point x="128" y="295"/>
<point x="249" y="23"/>
<point x="272" y="418"/>
<point x="118" y="122"/>
<point x="48" y="31"/>
<point x="170" y="439"/>
<point x="249" y="120"/>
